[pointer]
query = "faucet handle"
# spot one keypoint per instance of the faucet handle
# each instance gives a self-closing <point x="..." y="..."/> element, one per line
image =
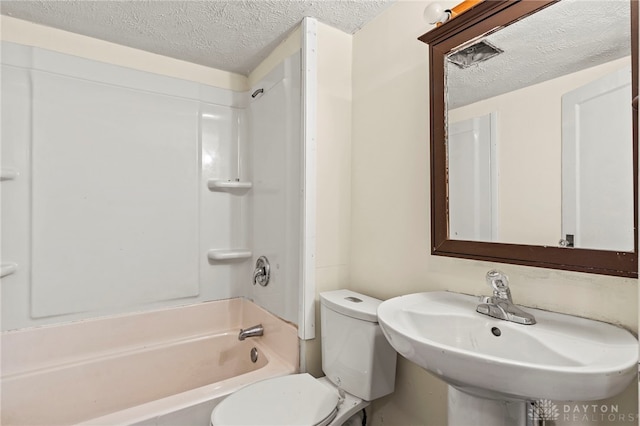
<point x="262" y="273"/>
<point x="500" y="283"/>
<point x="497" y="280"/>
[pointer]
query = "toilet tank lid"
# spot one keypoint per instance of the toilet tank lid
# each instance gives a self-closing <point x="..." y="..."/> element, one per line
<point x="352" y="304"/>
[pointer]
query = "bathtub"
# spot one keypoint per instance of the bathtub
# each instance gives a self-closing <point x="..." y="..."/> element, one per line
<point x="165" y="367"/>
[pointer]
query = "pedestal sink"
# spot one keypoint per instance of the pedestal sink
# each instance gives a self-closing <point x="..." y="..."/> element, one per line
<point x="492" y="364"/>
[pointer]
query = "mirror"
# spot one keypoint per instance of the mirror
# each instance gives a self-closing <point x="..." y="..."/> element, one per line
<point x="533" y="137"/>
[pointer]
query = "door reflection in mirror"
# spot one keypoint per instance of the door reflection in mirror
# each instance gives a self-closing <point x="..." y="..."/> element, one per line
<point x="597" y="170"/>
<point x="473" y="192"/>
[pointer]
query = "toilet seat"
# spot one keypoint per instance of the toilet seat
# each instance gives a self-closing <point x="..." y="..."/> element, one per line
<point x="297" y="399"/>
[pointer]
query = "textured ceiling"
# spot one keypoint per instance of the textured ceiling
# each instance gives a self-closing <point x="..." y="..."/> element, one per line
<point x="563" y="38"/>
<point x="229" y="35"/>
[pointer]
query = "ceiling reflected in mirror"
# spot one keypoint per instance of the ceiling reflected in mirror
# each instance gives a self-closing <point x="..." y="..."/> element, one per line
<point x="544" y="46"/>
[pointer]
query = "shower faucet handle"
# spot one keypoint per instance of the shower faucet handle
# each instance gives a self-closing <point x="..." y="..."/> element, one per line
<point x="262" y="273"/>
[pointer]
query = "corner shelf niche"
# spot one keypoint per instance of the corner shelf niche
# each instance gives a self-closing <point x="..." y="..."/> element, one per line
<point x="221" y="255"/>
<point x="221" y="185"/>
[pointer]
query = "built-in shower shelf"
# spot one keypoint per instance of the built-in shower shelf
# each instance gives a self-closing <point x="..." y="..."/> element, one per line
<point x="229" y="254"/>
<point x="216" y="184"/>
<point x="8" y="269"/>
<point x="8" y="174"/>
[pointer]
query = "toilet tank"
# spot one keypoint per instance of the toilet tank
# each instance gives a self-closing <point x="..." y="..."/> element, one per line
<point x="355" y="354"/>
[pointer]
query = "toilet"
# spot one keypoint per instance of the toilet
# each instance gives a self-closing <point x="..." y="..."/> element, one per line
<point x="359" y="364"/>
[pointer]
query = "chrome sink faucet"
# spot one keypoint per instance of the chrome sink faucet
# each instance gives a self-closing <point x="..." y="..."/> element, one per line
<point x="500" y="305"/>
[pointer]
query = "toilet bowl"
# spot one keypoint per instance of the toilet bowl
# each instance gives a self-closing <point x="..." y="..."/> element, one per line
<point x="358" y="362"/>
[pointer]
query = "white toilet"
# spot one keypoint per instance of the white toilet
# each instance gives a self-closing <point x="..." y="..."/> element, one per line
<point x="359" y="364"/>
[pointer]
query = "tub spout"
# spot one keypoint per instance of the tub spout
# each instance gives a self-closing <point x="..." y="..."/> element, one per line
<point x="256" y="330"/>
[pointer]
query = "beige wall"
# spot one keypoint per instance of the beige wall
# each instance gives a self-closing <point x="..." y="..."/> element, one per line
<point x="30" y="34"/>
<point x="290" y="45"/>
<point x="390" y="213"/>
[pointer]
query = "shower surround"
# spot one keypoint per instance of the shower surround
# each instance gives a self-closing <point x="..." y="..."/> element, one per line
<point x="125" y="190"/>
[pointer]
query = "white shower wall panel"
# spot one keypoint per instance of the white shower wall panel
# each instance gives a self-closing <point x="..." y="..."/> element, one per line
<point x="110" y="211"/>
<point x="276" y="135"/>
<point x="114" y="196"/>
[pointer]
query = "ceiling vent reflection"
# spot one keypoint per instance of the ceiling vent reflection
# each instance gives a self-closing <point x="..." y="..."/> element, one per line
<point x="476" y="53"/>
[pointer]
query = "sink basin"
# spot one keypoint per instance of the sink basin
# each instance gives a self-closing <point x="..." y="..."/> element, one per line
<point x="560" y="358"/>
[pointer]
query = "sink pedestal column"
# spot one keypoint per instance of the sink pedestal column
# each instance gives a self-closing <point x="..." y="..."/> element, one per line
<point x="469" y="410"/>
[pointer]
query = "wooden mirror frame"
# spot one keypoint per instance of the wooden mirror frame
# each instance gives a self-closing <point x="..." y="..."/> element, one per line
<point x="479" y="20"/>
